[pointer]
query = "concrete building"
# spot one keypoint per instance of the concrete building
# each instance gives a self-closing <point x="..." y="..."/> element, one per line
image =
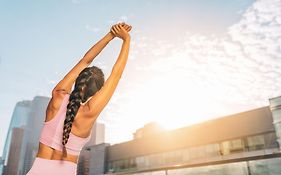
<point x="20" y="150"/>
<point x="33" y="129"/>
<point x="275" y="106"/>
<point x="12" y="167"/>
<point x="25" y="127"/>
<point x="92" y="160"/>
<point x="1" y="165"/>
<point x="244" y="143"/>
<point x="92" y="157"/>
<point x="98" y="134"/>
<point x="19" y="120"/>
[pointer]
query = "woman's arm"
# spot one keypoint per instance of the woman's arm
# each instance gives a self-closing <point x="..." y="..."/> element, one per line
<point x="98" y="47"/>
<point x="66" y="83"/>
<point x="102" y="97"/>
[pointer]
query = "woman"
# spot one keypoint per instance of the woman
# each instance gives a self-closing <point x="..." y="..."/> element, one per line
<point x="71" y="114"/>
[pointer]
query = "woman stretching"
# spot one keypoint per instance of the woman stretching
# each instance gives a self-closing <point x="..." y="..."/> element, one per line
<point x="71" y="114"/>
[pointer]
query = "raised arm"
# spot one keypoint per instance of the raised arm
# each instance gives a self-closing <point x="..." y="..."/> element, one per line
<point x="66" y="83"/>
<point x="102" y="97"/>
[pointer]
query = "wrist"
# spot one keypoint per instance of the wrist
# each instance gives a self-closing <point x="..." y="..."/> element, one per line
<point x="128" y="38"/>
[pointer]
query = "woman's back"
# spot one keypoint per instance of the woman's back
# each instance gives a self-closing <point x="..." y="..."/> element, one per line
<point x="50" y="146"/>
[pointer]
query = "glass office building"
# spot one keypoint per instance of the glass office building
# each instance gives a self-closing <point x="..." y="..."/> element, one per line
<point x="245" y="143"/>
<point x="19" y="119"/>
<point x="26" y="123"/>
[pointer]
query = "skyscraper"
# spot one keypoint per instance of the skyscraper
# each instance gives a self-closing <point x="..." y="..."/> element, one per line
<point x="33" y="130"/>
<point x="19" y="119"/>
<point x="92" y="158"/>
<point x="25" y="127"/>
<point x="12" y="167"/>
<point x="98" y="134"/>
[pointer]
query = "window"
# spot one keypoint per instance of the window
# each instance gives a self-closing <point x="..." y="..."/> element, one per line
<point x="197" y="152"/>
<point x="213" y="150"/>
<point x="140" y="161"/>
<point x="185" y="154"/>
<point x="256" y="142"/>
<point x="232" y="146"/>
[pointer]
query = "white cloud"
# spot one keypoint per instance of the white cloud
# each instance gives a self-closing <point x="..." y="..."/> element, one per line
<point x="246" y="61"/>
<point x="124" y="18"/>
<point x="92" y="28"/>
<point x="196" y="76"/>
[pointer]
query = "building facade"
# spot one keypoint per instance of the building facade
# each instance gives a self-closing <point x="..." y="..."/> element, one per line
<point x="92" y="160"/>
<point x="275" y="106"/>
<point x="92" y="157"/>
<point x="13" y="166"/>
<point x="98" y="134"/>
<point x="19" y="120"/>
<point x="33" y="129"/>
<point x="22" y="140"/>
<point x="245" y="143"/>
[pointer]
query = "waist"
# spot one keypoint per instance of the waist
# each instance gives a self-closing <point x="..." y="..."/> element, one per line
<point x="47" y="152"/>
<point x="73" y="146"/>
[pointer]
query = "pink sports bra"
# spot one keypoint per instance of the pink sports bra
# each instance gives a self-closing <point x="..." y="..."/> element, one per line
<point x="52" y="130"/>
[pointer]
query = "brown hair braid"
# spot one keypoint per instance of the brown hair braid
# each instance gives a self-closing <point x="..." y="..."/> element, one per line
<point x="88" y="82"/>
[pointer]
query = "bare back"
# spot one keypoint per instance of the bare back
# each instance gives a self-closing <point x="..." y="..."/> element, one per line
<point x="81" y="127"/>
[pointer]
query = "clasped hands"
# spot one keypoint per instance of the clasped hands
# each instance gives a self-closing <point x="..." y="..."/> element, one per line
<point x="121" y="30"/>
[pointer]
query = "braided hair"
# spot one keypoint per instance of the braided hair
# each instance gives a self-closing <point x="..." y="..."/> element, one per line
<point x="88" y="82"/>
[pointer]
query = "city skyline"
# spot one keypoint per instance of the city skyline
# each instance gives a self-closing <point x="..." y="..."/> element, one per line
<point x="189" y="61"/>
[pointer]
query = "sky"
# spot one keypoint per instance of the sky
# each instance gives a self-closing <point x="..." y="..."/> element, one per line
<point x="189" y="60"/>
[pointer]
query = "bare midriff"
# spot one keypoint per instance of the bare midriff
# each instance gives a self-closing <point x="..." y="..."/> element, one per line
<point x="47" y="152"/>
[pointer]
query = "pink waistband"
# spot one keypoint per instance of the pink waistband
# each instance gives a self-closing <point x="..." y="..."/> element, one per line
<point x="55" y="167"/>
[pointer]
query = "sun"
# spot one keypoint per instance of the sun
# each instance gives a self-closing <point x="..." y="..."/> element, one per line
<point x="169" y="105"/>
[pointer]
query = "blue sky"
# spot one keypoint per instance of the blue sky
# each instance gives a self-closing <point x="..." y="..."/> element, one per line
<point x="185" y="55"/>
